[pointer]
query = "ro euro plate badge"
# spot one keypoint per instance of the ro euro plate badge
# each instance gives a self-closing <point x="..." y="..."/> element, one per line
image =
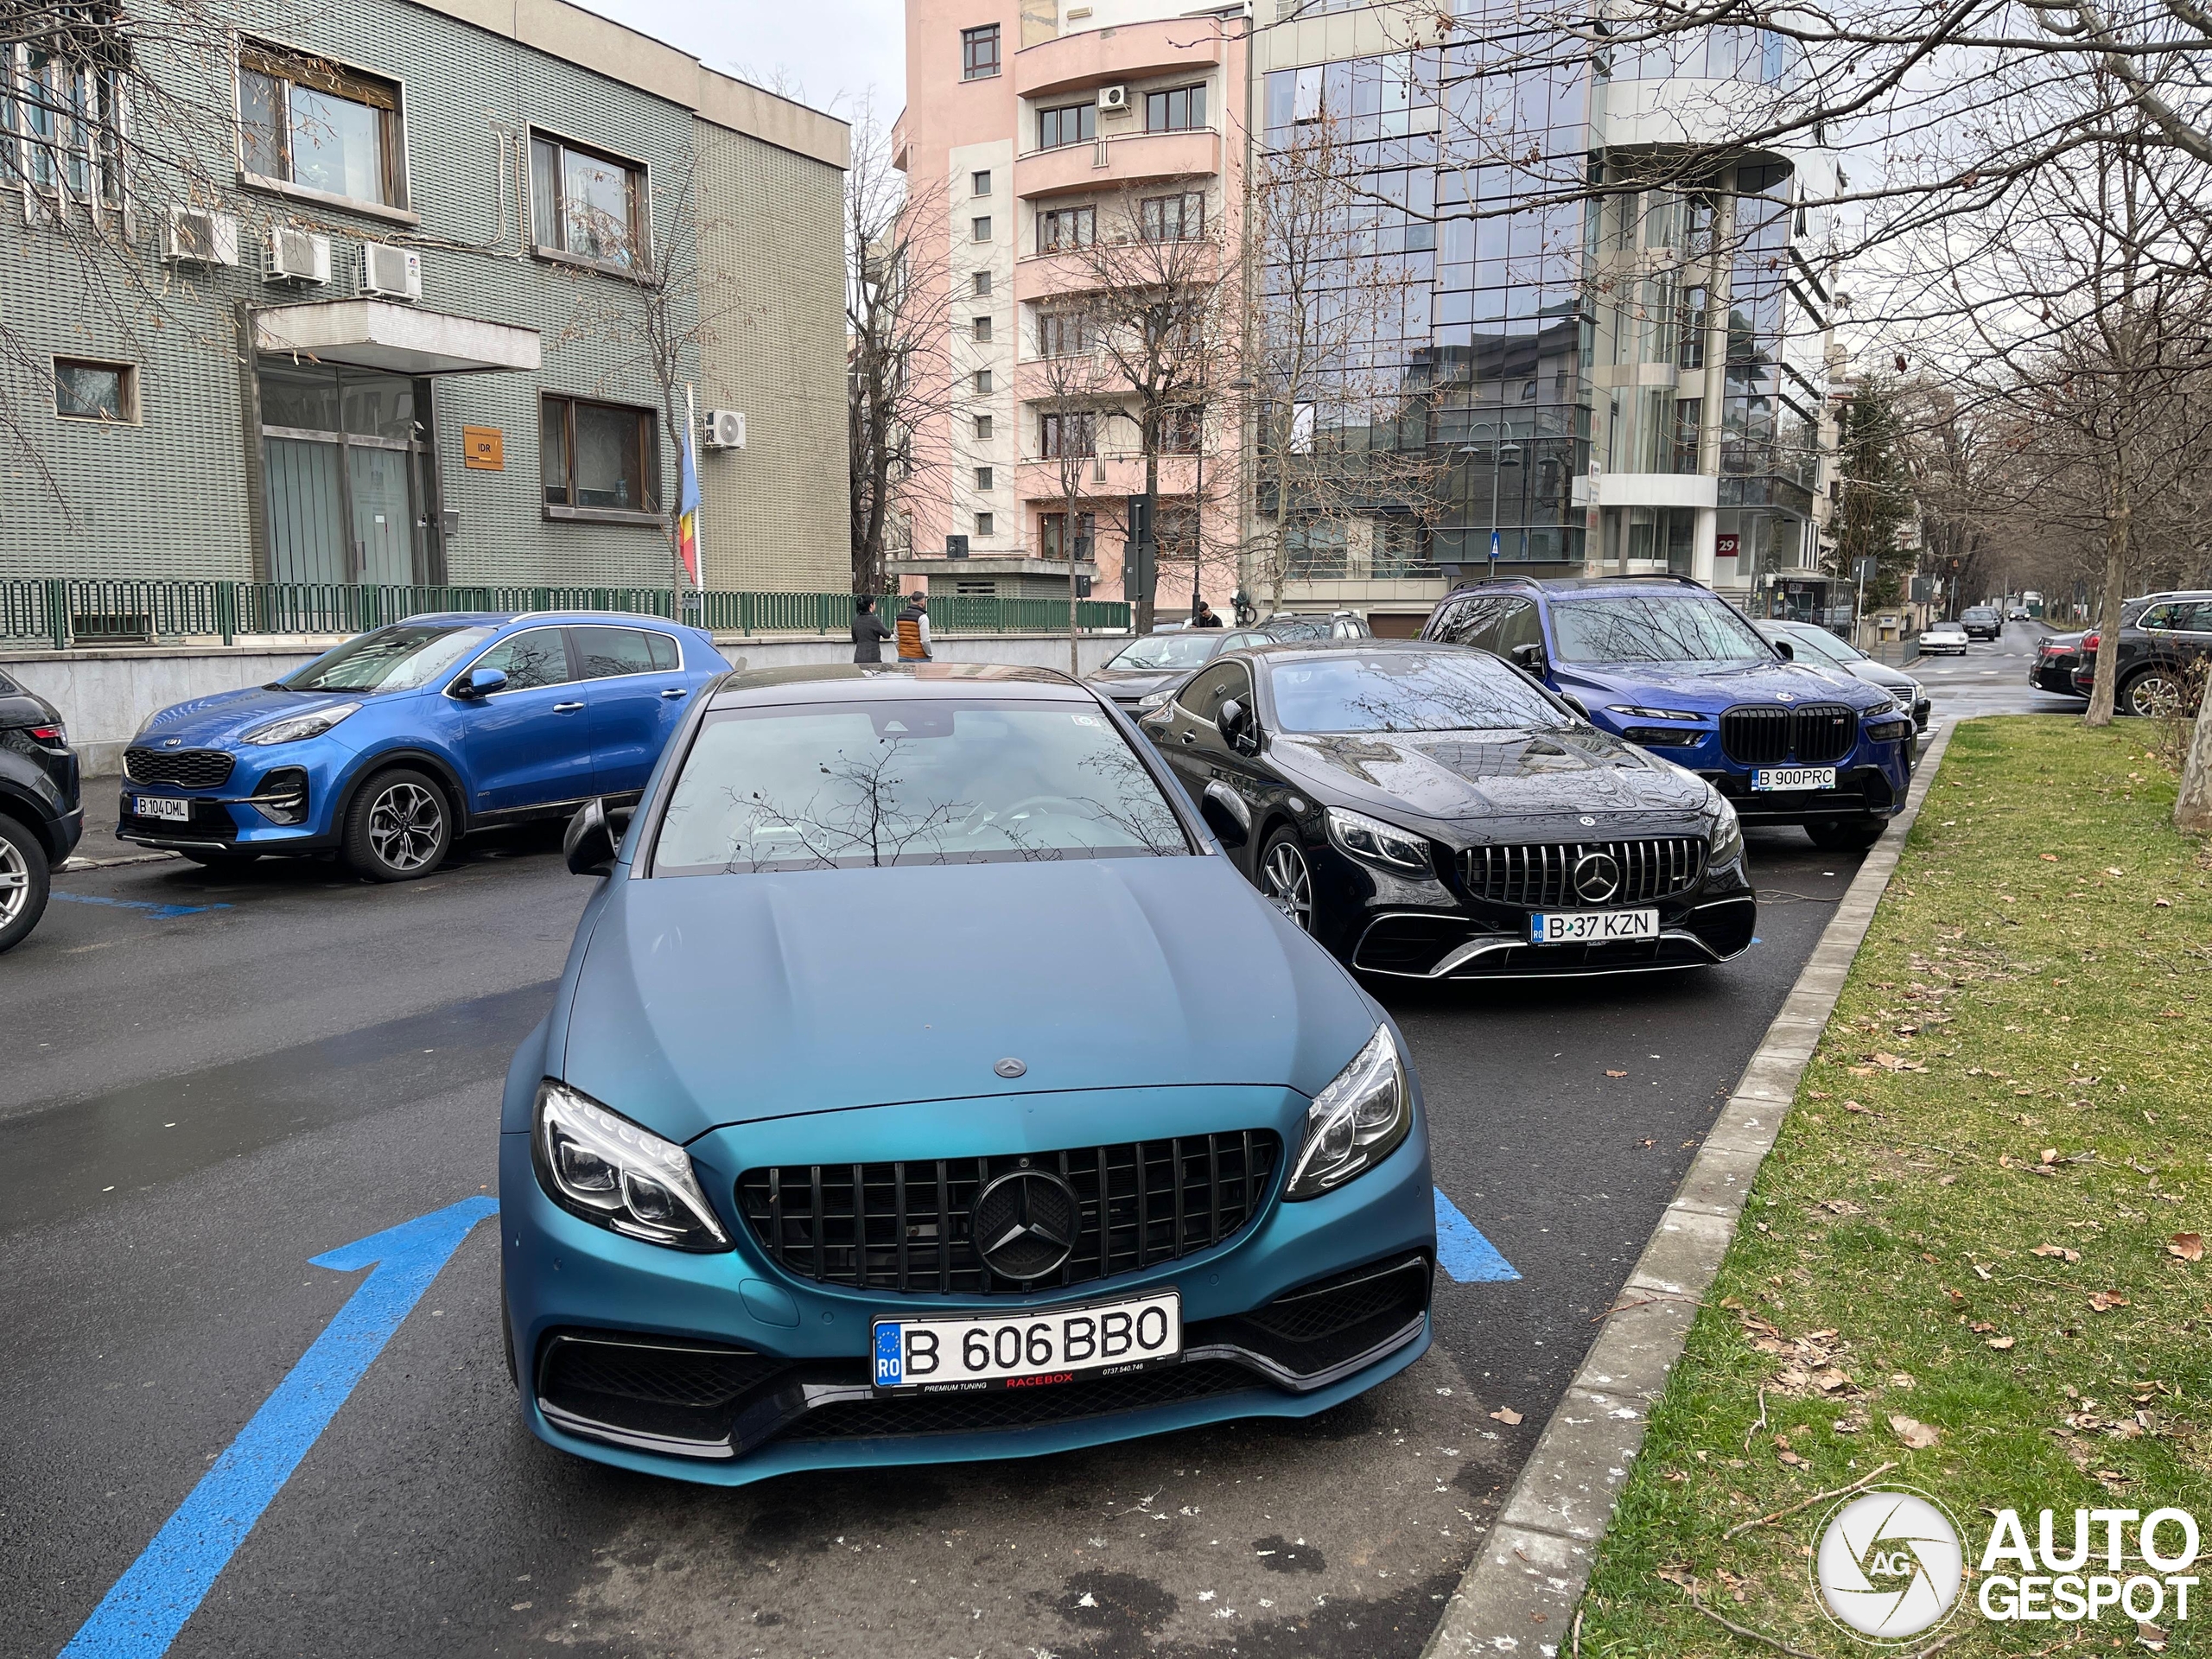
<point x="1028" y="1348"/>
<point x="1773" y="778"/>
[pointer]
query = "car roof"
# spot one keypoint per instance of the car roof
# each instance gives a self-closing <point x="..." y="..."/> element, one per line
<point x="883" y="682"/>
<point x="1560" y="586"/>
<point x="1278" y="650"/>
<point x="500" y="619"/>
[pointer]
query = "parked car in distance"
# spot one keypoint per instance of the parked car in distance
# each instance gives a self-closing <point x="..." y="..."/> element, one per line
<point x="1817" y="645"/>
<point x="1427" y="811"/>
<point x="1942" y="638"/>
<point x="388" y="748"/>
<point x="2051" y="669"/>
<point x="1147" y="670"/>
<point x="41" y="813"/>
<point x="772" y="1199"/>
<point x="2019" y="613"/>
<point x="1982" y="621"/>
<point x="1666" y="663"/>
<point x="2159" y="646"/>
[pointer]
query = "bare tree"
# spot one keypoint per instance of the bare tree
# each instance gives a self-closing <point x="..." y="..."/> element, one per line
<point x="1070" y="380"/>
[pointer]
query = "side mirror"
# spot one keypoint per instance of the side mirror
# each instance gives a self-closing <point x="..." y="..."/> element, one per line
<point x="482" y="683"/>
<point x="590" y="843"/>
<point x="1784" y="650"/>
<point x="1235" y="722"/>
<point x="1529" y="659"/>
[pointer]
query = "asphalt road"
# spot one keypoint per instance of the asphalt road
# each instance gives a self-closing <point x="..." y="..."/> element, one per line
<point x="213" y="1078"/>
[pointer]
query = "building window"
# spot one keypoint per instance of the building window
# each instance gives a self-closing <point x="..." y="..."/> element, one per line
<point x="982" y="429"/>
<point x="983" y="281"/>
<point x="979" y="227"/>
<point x="1066" y="227"/>
<point x="1073" y="434"/>
<point x="982" y="478"/>
<point x="1069" y="123"/>
<point x="983" y="521"/>
<point x="95" y="392"/>
<point x="310" y="124"/>
<point x="1179" y="429"/>
<point x="586" y="204"/>
<point x="983" y="327"/>
<point x="1173" y="219"/>
<point x="1180" y="111"/>
<point x="1064" y="334"/>
<point x="979" y="52"/>
<point x="70" y="126"/>
<point x="983" y="381"/>
<point x="979" y="183"/>
<point x="1051" y="529"/>
<point x="597" y="457"/>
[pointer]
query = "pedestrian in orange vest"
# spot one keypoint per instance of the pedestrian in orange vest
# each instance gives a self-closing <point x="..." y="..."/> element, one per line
<point x="914" y="630"/>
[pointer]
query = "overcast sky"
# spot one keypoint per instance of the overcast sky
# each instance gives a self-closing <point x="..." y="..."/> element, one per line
<point x="829" y="52"/>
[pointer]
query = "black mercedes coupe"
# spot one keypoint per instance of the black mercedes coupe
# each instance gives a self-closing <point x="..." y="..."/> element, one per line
<point x="1429" y="811"/>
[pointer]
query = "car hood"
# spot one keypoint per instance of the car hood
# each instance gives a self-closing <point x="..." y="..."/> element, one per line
<point x="707" y="1000"/>
<point x="219" y="721"/>
<point x="1711" y="690"/>
<point x="1453" y="777"/>
<point x="1882" y="674"/>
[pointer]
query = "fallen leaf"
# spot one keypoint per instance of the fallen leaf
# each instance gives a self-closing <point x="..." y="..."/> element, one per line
<point x="2162" y="904"/>
<point x="2049" y="1154"/>
<point x="2047" y="858"/>
<point x="2149" y="1636"/>
<point x="1981" y="1270"/>
<point x="1957" y="1299"/>
<point x="2111" y="870"/>
<point x="1831" y="1381"/>
<point x="1946" y="1181"/>
<point x="1981" y="1327"/>
<point x="2189" y="1247"/>
<point x="2058" y="1251"/>
<point x="1914" y="1432"/>
<point x="1616" y="1074"/>
<point x="2001" y="1343"/>
<point x="2102" y="1301"/>
<point x="1507" y="1415"/>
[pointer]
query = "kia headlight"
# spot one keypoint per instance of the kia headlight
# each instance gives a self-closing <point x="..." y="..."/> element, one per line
<point x="1727" y="832"/>
<point x="1356" y="1122"/>
<point x="603" y="1167"/>
<point x="293" y="727"/>
<point x="1378" y="842"/>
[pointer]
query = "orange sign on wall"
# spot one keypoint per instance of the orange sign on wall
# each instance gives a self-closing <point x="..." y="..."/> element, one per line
<point x="483" y="448"/>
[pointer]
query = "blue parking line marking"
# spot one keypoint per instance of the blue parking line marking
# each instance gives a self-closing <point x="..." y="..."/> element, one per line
<point x="158" y="912"/>
<point x="1463" y="1252"/>
<point x="149" y="1604"/>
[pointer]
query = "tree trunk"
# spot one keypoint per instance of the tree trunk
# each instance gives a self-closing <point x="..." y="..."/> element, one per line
<point x="2193" y="809"/>
<point x="2101" y="689"/>
<point x="1151" y="532"/>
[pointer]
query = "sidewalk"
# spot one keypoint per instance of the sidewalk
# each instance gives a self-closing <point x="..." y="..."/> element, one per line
<point x="99" y="846"/>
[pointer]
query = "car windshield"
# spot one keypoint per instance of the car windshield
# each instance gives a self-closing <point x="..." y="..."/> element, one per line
<point x="397" y="658"/>
<point x="925" y="782"/>
<point x="1178" y="650"/>
<point x="1407" y="691"/>
<point x="1653" y="628"/>
<point x="1821" y="642"/>
<point x="1980" y="613"/>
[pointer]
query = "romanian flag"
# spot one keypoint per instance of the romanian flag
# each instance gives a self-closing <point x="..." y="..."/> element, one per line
<point x="687" y="522"/>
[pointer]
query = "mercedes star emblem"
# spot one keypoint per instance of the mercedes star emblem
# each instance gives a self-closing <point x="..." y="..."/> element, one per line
<point x="1009" y="1067"/>
<point x="1025" y="1223"/>
<point x="1585" y="823"/>
<point x="1596" y="878"/>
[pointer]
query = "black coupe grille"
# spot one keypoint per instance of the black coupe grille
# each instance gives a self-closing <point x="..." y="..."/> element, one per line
<point x="1816" y="733"/>
<point x="1542" y="877"/>
<point x="181" y="768"/>
<point x="905" y="1227"/>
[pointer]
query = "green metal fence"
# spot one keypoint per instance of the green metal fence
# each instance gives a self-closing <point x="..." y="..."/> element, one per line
<point x="61" y="612"/>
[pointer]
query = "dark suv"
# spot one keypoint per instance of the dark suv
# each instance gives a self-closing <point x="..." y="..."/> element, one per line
<point x="1982" y="621"/>
<point x="2158" y="643"/>
<point x="1669" y="664"/>
<point x="40" y="815"/>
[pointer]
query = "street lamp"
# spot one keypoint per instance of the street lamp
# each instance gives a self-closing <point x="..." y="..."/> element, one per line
<point x="1501" y="452"/>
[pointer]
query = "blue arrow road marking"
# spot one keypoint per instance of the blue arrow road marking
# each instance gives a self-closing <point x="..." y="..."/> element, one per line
<point x="149" y="1604"/>
<point x="1463" y="1252"/>
<point x="159" y="912"/>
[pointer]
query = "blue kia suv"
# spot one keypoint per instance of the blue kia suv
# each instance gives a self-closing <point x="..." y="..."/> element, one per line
<point x="390" y="748"/>
<point x="1669" y="664"/>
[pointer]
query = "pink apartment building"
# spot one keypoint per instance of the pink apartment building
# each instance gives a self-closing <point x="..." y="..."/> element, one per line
<point x="1033" y="128"/>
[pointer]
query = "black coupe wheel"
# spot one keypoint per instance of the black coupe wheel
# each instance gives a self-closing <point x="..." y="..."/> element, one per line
<point x="1845" y="835"/>
<point x="1287" y="879"/>
<point x="25" y="882"/>
<point x="398" y="827"/>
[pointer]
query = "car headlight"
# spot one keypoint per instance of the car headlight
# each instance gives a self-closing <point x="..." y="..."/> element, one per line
<point x="603" y="1167"/>
<point x="1378" y="842"/>
<point x="1356" y="1122"/>
<point x="1652" y="714"/>
<point x="293" y="727"/>
<point x="1888" y="731"/>
<point x="1154" y="699"/>
<point x="1727" y="832"/>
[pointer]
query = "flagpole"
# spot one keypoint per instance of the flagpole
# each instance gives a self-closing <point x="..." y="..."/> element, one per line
<point x="699" y="553"/>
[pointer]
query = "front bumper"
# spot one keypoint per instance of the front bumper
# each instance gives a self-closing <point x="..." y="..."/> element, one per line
<point x="227" y="819"/>
<point x="725" y="1369"/>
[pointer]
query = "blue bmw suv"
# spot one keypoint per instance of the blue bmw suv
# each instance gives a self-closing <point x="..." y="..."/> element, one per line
<point x="390" y="748"/>
<point x="1669" y="664"/>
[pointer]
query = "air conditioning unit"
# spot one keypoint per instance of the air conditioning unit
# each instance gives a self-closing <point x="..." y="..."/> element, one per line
<point x="197" y="237"/>
<point x="390" y="273"/>
<point x="1113" y="97"/>
<point x="298" y="256"/>
<point x="725" y="428"/>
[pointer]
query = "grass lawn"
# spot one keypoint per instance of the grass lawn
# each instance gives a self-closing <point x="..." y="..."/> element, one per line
<point x="1969" y="1223"/>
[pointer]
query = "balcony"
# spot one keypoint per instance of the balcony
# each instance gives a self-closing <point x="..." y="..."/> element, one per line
<point x="1039" y="481"/>
<point x="1133" y="158"/>
<point x="1098" y="56"/>
<point x="1047" y="275"/>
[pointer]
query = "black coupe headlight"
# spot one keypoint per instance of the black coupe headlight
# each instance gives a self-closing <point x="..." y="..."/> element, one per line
<point x="1727" y="833"/>
<point x="1378" y="842"/>
<point x="1356" y="1122"/>
<point x="603" y="1167"/>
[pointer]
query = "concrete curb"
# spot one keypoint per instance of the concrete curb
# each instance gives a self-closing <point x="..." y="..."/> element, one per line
<point x="1522" y="1587"/>
<point x="72" y="866"/>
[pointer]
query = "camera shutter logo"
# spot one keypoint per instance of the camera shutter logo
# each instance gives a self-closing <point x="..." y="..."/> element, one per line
<point x="1889" y="1565"/>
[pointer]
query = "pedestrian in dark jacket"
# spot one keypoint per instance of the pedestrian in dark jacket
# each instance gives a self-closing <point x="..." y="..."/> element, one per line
<point x="914" y="630"/>
<point x="869" y="632"/>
